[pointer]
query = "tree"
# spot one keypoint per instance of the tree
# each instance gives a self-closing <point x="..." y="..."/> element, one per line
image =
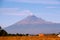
<point x="27" y="35"/>
<point x="0" y="27"/>
<point x="2" y="32"/>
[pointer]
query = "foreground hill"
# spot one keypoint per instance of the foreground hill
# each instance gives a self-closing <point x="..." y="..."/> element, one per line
<point x="33" y="24"/>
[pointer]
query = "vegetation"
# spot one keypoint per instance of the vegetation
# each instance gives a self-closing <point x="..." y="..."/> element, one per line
<point x="4" y="33"/>
<point x="5" y="36"/>
<point x="28" y="38"/>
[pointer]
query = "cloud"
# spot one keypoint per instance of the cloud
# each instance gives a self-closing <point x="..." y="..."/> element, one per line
<point x="37" y="1"/>
<point x="52" y="7"/>
<point x="3" y="25"/>
<point x="8" y="10"/>
<point x="14" y="11"/>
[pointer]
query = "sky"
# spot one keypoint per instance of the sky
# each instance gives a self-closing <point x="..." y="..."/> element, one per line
<point x="12" y="11"/>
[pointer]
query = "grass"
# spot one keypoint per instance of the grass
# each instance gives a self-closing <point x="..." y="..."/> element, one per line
<point x="28" y="38"/>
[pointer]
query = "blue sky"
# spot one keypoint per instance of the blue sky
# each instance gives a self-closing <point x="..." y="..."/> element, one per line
<point x="12" y="11"/>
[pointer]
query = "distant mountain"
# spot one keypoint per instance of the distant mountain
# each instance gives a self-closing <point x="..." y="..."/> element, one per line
<point x="33" y="24"/>
<point x="32" y="19"/>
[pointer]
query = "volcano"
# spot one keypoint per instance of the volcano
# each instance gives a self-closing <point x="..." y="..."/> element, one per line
<point x="33" y="24"/>
<point x="32" y="19"/>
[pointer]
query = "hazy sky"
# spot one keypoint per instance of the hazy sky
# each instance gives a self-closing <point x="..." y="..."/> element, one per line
<point x="12" y="11"/>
